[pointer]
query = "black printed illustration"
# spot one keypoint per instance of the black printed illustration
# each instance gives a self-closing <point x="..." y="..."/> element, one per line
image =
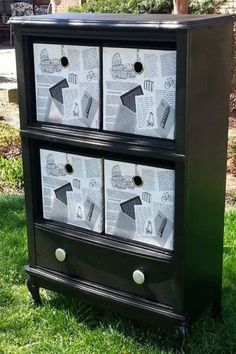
<point x="76" y="183"/>
<point x="54" y="169"/>
<point x="89" y="107"/>
<point x="119" y="181"/>
<point x="135" y="92"/>
<point x="169" y="83"/>
<point x="48" y="65"/>
<point x="148" y="85"/>
<point x="146" y="197"/>
<point x="150" y="121"/>
<point x="165" y="118"/>
<point x="163" y="227"/>
<point x="164" y="115"/>
<point x="68" y="195"/>
<point x="56" y="90"/>
<point x="92" y="212"/>
<point x="149" y="229"/>
<point x="76" y="110"/>
<point x="79" y="212"/>
<point x="120" y="70"/>
<point x="128" y="206"/>
<point x="128" y="98"/>
<point x="139" y="213"/>
<point x="73" y="78"/>
<point x="64" y="76"/>
<point x="61" y="192"/>
<point x="93" y="184"/>
<point x="167" y="197"/>
<point x="92" y="76"/>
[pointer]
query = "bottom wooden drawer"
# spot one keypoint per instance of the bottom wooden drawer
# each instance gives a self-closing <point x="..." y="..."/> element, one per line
<point x="106" y="266"/>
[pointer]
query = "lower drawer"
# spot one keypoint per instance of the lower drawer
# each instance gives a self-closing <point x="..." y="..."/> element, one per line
<point x="106" y="266"/>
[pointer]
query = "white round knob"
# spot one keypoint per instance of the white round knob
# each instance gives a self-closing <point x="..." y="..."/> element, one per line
<point x="60" y="254"/>
<point x="138" y="277"/>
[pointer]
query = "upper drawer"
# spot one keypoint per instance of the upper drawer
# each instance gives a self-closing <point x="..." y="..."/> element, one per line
<point x="139" y="91"/>
<point x="67" y="84"/>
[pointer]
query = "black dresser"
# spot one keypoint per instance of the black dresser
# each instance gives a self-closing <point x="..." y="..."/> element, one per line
<point x="124" y="136"/>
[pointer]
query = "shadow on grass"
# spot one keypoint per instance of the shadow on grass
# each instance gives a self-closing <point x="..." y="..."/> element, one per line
<point x="206" y="335"/>
<point x="95" y="318"/>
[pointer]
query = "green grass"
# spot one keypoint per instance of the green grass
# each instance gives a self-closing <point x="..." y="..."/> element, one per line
<point x="11" y="172"/>
<point x="64" y="325"/>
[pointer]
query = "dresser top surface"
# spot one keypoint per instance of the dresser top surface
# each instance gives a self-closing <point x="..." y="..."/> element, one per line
<point x="90" y="20"/>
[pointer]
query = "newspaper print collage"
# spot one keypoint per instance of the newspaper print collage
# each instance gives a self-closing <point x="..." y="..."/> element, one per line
<point x="139" y="91"/>
<point x="139" y="203"/>
<point x="72" y="189"/>
<point x="138" y="199"/>
<point x="67" y="84"/>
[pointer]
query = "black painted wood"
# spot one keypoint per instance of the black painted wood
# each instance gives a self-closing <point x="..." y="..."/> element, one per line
<point x="207" y="126"/>
<point x="106" y="266"/>
<point x="106" y="241"/>
<point x="128" y="305"/>
<point x="123" y="21"/>
<point x="106" y="143"/>
<point x="180" y="284"/>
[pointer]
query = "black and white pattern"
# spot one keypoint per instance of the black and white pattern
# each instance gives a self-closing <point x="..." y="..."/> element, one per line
<point x="67" y="84"/>
<point x="22" y="9"/>
<point x="72" y="189"/>
<point x="139" y="91"/>
<point x="41" y="9"/>
<point x="139" y="203"/>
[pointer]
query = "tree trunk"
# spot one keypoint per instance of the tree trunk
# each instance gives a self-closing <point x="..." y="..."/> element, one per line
<point x="54" y="4"/>
<point x="180" y="6"/>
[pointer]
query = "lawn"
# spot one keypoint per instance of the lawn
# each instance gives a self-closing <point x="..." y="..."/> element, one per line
<point x="64" y="325"/>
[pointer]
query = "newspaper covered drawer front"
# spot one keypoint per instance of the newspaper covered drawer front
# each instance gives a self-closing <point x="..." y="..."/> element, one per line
<point x="139" y="203"/>
<point x="67" y="84"/>
<point x="139" y="91"/>
<point x="72" y="189"/>
<point x="105" y="266"/>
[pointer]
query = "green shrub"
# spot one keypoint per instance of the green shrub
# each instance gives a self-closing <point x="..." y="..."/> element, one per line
<point x="205" y="6"/>
<point x="11" y="171"/>
<point x="123" y="6"/>
<point x="233" y="196"/>
<point x="146" y="6"/>
<point x="156" y="6"/>
<point x="232" y="147"/>
<point x="10" y="144"/>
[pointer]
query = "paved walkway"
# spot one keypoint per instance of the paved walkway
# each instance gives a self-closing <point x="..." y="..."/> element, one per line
<point x="7" y="68"/>
<point x="8" y="85"/>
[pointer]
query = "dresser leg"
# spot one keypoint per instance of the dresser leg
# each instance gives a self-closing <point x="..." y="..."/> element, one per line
<point x="34" y="290"/>
<point x="182" y="332"/>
